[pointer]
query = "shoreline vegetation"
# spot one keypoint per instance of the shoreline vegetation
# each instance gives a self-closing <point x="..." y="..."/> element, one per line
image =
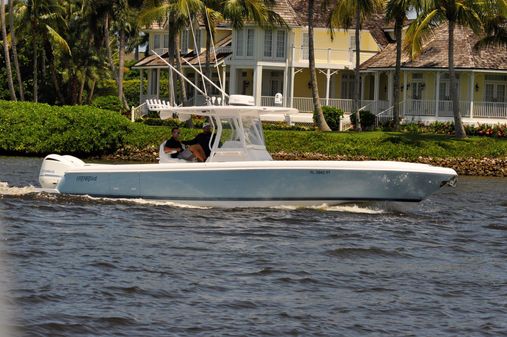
<point x="485" y="167"/>
<point x="31" y="129"/>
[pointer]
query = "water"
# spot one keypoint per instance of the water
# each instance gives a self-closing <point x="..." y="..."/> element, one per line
<point x="77" y="266"/>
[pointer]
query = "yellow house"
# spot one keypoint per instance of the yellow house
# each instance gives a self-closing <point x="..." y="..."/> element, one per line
<point x="425" y="96"/>
<point x="262" y="63"/>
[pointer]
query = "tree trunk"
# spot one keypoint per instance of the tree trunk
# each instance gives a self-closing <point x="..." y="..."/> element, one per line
<point x="398" y="26"/>
<point x="6" y="52"/>
<point x="209" y="36"/>
<point x="15" y="51"/>
<point x="171" y="55"/>
<point x="317" y="108"/>
<point x="183" y="90"/>
<point x="458" y="123"/>
<point x="357" y="77"/>
<point x="121" y="66"/>
<point x="91" y="90"/>
<point x="35" y="72"/>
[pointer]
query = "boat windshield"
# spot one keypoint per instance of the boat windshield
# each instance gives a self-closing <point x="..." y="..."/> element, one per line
<point x="253" y="130"/>
<point x="231" y="131"/>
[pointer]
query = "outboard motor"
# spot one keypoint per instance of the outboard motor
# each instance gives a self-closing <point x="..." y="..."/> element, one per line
<point x="54" y="167"/>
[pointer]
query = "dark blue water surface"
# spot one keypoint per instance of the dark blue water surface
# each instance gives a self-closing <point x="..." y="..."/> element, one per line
<point x="77" y="266"/>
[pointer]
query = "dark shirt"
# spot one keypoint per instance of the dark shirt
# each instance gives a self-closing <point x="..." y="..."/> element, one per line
<point x="174" y="144"/>
<point x="202" y="139"/>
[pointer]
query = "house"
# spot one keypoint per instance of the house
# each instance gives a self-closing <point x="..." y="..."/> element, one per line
<point x="262" y="63"/>
<point x="425" y="96"/>
<point x="258" y="62"/>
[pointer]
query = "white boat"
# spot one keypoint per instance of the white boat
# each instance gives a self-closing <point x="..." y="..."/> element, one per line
<point x="241" y="173"/>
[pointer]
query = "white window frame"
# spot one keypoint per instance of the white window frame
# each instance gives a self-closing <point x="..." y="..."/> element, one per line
<point x="184" y="41"/>
<point x="495" y="81"/>
<point x="305" y="49"/>
<point x="275" y="44"/>
<point x="245" y="43"/>
<point x="445" y="81"/>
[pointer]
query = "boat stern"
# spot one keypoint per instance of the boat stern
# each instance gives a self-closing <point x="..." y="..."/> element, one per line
<point x="53" y="169"/>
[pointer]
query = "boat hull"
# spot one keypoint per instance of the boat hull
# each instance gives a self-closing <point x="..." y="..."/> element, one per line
<point x="270" y="183"/>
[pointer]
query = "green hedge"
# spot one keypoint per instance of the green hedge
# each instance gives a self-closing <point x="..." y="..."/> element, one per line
<point x="332" y="115"/>
<point x="39" y="129"/>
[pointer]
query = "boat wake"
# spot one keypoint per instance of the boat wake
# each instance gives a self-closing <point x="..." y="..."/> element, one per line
<point x="6" y="190"/>
<point x="345" y="208"/>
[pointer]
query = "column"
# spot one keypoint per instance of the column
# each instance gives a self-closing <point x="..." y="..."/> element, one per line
<point x="292" y="76"/>
<point x="257" y="92"/>
<point x="405" y="89"/>
<point x="390" y="88"/>
<point x="471" y="94"/>
<point x="437" y="93"/>
<point x="376" y="92"/>
<point x="233" y="80"/>
<point x="141" y="85"/>
<point x="158" y="83"/>
<point x="328" y="78"/>
<point x="224" y="82"/>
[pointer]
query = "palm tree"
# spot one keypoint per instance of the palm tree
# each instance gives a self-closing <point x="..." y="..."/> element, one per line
<point x="397" y="10"/>
<point x="345" y="14"/>
<point x="434" y="13"/>
<point x="6" y="52"/>
<point x="495" y="24"/>
<point x="317" y="108"/>
<point x="212" y="12"/>
<point x="15" y="50"/>
<point x="40" y="20"/>
<point x="237" y="12"/>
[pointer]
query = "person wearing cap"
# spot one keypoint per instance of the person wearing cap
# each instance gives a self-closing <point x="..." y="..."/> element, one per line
<point x="200" y="145"/>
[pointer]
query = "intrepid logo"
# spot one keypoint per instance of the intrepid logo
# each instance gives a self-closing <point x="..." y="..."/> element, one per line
<point x="86" y="178"/>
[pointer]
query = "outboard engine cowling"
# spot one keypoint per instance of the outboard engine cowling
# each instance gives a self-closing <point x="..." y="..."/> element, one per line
<point x="54" y="167"/>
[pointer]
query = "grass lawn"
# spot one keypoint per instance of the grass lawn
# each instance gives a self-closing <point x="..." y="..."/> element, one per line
<point x="372" y="144"/>
<point x="385" y="145"/>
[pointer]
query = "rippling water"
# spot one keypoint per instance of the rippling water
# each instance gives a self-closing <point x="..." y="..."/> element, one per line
<point x="78" y="266"/>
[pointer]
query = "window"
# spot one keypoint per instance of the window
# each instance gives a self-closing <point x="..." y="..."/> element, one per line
<point x="156" y="41"/>
<point x="306" y="50"/>
<point x="184" y="36"/>
<point x="444" y="93"/>
<point x="347" y="86"/>
<point x="496" y="87"/>
<point x="250" y="42"/>
<point x="280" y="44"/>
<point x="417" y="86"/>
<point x="274" y="43"/>
<point x="166" y="40"/>
<point x="245" y="42"/>
<point x="268" y="42"/>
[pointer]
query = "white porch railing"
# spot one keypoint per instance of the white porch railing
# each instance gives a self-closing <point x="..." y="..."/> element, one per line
<point x="490" y="110"/>
<point x="428" y="108"/>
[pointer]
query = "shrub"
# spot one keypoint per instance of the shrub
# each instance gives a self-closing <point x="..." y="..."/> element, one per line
<point x="367" y="119"/>
<point x="332" y="115"/>
<point x="111" y="103"/>
<point x="39" y="129"/>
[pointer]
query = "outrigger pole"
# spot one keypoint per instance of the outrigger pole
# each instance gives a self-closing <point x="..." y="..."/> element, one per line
<point x="187" y="80"/>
